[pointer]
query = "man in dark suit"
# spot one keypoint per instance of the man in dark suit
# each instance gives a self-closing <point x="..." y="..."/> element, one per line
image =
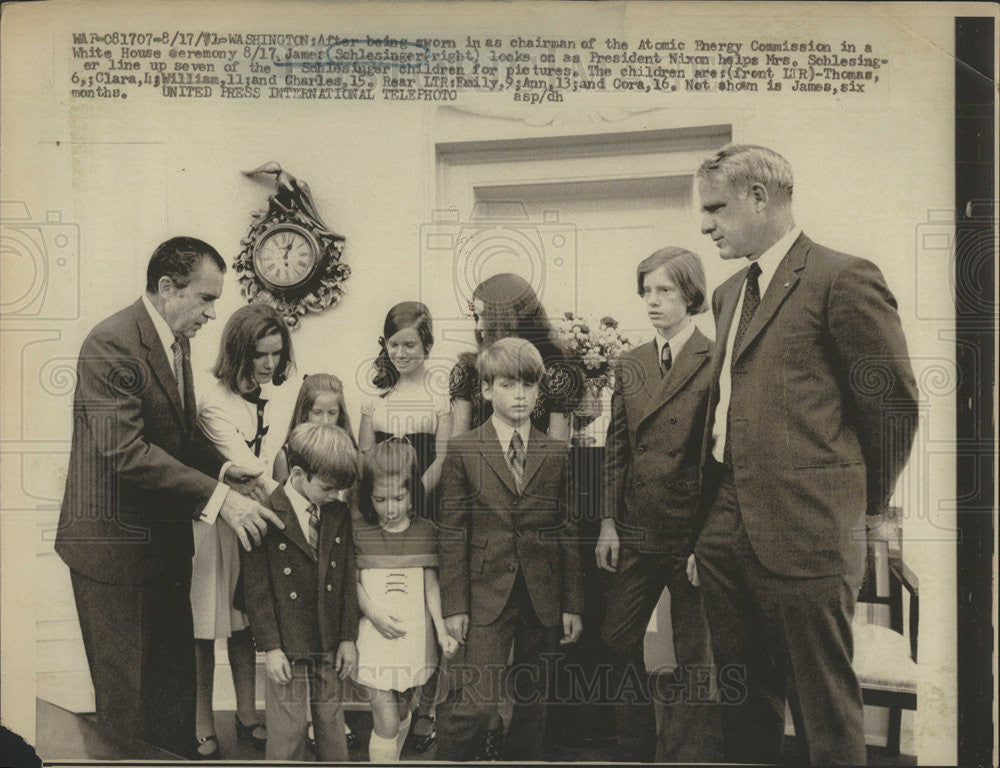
<point x="139" y="473"/>
<point x="814" y="420"/>
<point x="655" y="451"/>
<point x="510" y="561"/>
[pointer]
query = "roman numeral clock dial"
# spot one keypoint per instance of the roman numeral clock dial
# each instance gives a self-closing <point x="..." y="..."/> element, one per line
<point x="285" y="256"/>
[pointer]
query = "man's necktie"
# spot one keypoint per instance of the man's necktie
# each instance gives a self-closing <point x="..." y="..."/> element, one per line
<point x="666" y="360"/>
<point x="314" y="528"/>
<point x="185" y="379"/>
<point x="751" y="300"/>
<point x="515" y="460"/>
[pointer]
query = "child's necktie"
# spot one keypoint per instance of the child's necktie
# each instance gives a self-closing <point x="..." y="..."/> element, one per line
<point x="666" y="359"/>
<point x="314" y="528"/>
<point x="515" y="460"/>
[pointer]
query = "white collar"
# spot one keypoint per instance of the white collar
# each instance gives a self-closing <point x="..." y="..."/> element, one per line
<point x="300" y="505"/>
<point x="299" y="502"/>
<point x="160" y="324"/>
<point x="769" y="260"/>
<point x="676" y="342"/>
<point x="505" y="432"/>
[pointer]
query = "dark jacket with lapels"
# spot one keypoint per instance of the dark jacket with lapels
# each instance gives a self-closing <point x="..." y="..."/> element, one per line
<point x="656" y="445"/>
<point x="489" y="531"/>
<point x="298" y="602"/>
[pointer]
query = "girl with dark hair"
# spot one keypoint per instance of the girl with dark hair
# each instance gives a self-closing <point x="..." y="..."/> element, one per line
<point x="506" y="305"/>
<point x="398" y="593"/>
<point x="407" y="405"/>
<point x="409" y="408"/>
<point x="255" y="354"/>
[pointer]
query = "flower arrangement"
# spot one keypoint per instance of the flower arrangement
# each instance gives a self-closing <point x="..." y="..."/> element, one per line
<point x="596" y="345"/>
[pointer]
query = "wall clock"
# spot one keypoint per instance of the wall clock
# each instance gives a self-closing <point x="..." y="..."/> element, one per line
<point x="291" y="259"/>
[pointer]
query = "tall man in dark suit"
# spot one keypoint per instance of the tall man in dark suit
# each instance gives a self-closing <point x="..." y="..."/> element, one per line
<point x="655" y="451"/>
<point x="814" y="421"/>
<point x="139" y="473"/>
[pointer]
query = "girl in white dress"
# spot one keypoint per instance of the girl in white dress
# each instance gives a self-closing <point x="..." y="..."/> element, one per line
<point x="255" y="354"/>
<point x="415" y="405"/>
<point x="398" y="592"/>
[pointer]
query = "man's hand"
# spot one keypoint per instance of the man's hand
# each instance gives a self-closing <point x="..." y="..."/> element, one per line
<point x="692" y="571"/>
<point x="606" y="550"/>
<point x="277" y="666"/>
<point x="458" y="626"/>
<point x="388" y="625"/>
<point x="572" y="627"/>
<point x="347" y="659"/>
<point x="247" y="481"/>
<point x="248" y="518"/>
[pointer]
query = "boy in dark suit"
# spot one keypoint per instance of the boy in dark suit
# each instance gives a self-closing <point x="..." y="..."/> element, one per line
<point x="510" y="564"/>
<point x="302" y="597"/>
<point x="655" y="452"/>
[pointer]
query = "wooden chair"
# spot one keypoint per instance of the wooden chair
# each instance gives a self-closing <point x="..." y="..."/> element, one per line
<point x="885" y="659"/>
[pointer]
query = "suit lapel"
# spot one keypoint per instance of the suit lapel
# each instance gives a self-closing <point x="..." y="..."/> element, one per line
<point x="293" y="531"/>
<point x="493" y="455"/>
<point x="782" y="283"/>
<point x="730" y="297"/>
<point x="156" y="358"/>
<point x="537" y="450"/>
<point x="692" y="356"/>
<point x="331" y="520"/>
<point x="639" y="394"/>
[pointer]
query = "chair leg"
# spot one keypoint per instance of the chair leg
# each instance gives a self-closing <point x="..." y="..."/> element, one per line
<point x="892" y="736"/>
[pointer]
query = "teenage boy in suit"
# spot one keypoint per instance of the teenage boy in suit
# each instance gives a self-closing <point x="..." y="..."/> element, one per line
<point x="302" y="597"/>
<point x="510" y="564"/>
<point x="655" y="452"/>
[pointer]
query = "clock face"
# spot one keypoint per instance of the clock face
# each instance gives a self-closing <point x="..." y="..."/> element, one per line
<point x="285" y="257"/>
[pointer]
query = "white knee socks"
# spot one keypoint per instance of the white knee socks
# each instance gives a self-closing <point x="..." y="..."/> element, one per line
<point x="381" y="749"/>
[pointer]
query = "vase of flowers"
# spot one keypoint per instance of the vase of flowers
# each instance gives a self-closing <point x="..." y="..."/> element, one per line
<point x="597" y="346"/>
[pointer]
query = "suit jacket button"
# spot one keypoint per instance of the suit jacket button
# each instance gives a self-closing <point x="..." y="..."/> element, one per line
<point x="287" y="571"/>
<point x="673" y="420"/>
<point x="329" y="587"/>
<point x="641" y="450"/>
<point x="336" y="540"/>
<point x="671" y="453"/>
<point x="294" y="595"/>
<point x="282" y="546"/>
<point x="512" y="567"/>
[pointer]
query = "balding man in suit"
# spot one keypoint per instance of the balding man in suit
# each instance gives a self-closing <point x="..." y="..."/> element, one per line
<point x="139" y="473"/>
<point x="813" y="422"/>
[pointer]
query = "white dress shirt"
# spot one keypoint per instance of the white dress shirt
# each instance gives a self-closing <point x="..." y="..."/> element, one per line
<point x="211" y="509"/>
<point x="505" y="433"/>
<point x="768" y="263"/>
<point x="300" y="505"/>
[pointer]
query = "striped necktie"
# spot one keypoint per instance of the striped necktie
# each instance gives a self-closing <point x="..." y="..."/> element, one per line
<point x="185" y="379"/>
<point x="314" y="528"/>
<point x="515" y="459"/>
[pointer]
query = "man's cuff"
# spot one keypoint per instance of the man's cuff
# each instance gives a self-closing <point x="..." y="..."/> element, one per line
<point x="222" y="472"/>
<point x="211" y="510"/>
